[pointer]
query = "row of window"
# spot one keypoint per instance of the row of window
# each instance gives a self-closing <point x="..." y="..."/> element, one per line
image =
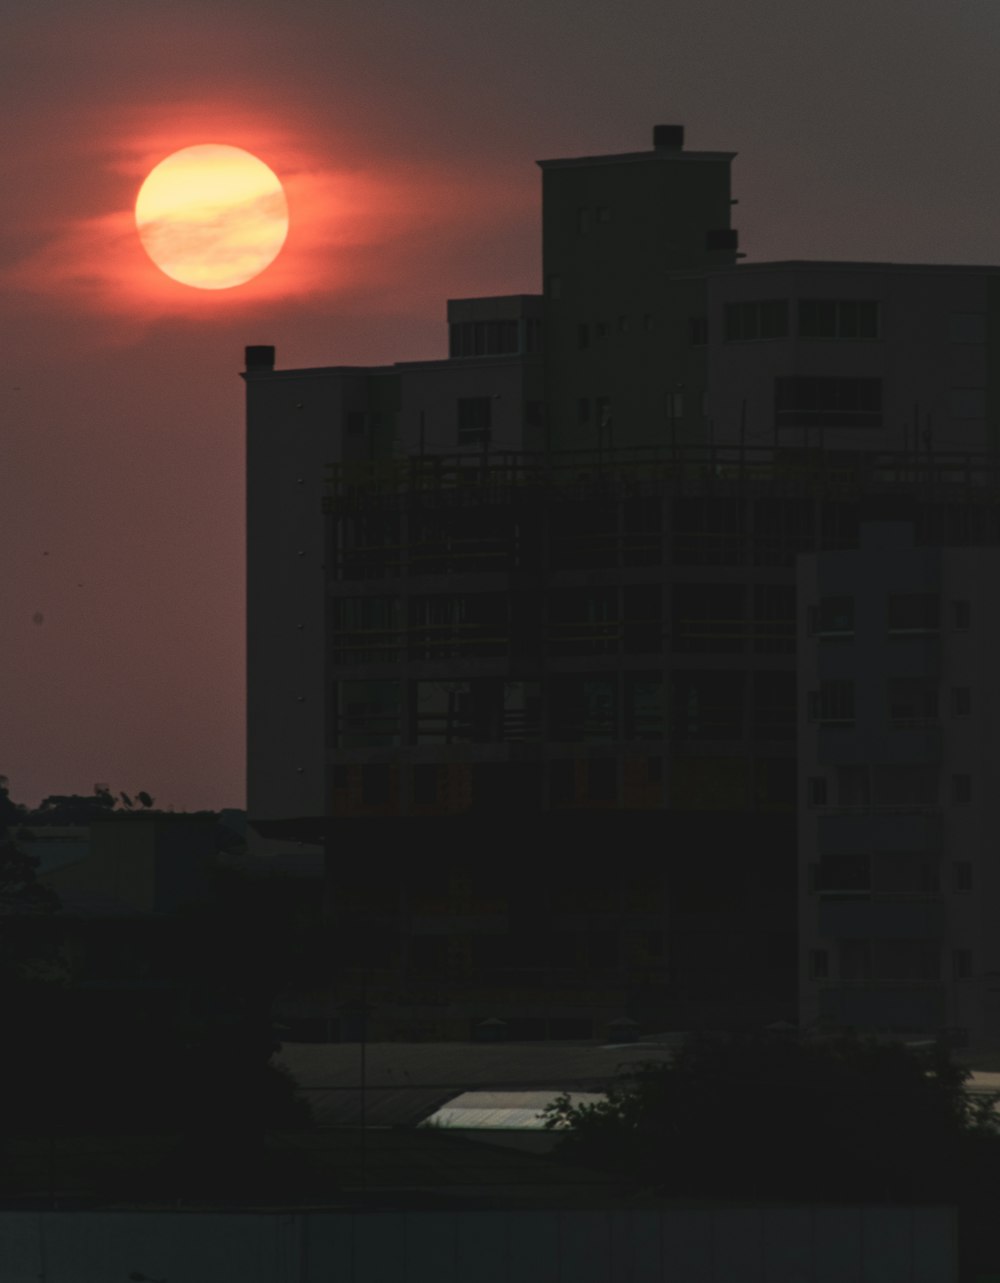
<point x="888" y="785"/>
<point x="889" y="960"/>
<point x="494" y="338"/>
<point x="704" y="618"/>
<point x="816" y="319"/>
<point x="833" y="616"/>
<point x="910" y="700"/>
<point x="888" y="873"/>
<point x="704" y="705"/>
<point x="697" y="783"/>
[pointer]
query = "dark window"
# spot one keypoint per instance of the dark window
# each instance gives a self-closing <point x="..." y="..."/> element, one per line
<point x="904" y="785"/>
<point x="827" y="402"/>
<point x="603" y="406"/>
<point x="819" y="964"/>
<point x="644" y="706"/>
<point x="914" y="613"/>
<point x="707" y="704"/>
<point x="962" y="963"/>
<point x="961" y="789"/>
<point x="356" y="422"/>
<point x="602" y="779"/>
<point x="962" y="875"/>
<point x="603" y="214"/>
<point x="562" y="775"/>
<point x="583" y="410"/>
<point x="375" y="784"/>
<point x="961" y="614"/>
<point x="623" y="325"/>
<point x="654" y="770"/>
<point x="774" y="619"/>
<point x="763" y="319"/>
<point x="647" y="320"/>
<point x="475" y="417"/>
<point x="836" y="701"/>
<point x="534" y="335"/>
<point x="583" y="220"/>
<point x="341" y="777"/>
<point x="583" y="335"/>
<point x="961" y="701"/>
<point x="838" y="318"/>
<point x="816" y="790"/>
<point x="853" y="786"/>
<point x="774" y="704"/>
<point x="425" y="785"/>
<point x="534" y="414"/>
<point x="555" y="287"/>
<point x="845" y="875"/>
<point x="836" y="616"/>
<point x="698" y="331"/>
<point x="602" y="329"/>
<point x="643" y="627"/>
<point x="912" y="699"/>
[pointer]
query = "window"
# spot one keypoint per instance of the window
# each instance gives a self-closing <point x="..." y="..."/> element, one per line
<point x="533" y="330"/>
<point x="905" y="785"/>
<point x="583" y="335"/>
<point x="914" y="613"/>
<point x="816" y="790"/>
<point x="675" y="406"/>
<point x="644" y="707"/>
<point x="819" y="964"/>
<point x="773" y="704"/>
<point x="961" y="615"/>
<point x="603" y="214"/>
<point x="833" y="703"/>
<point x="583" y="220"/>
<point x="961" y="701"/>
<point x="356" y="422"/>
<point x="603" y="406"/>
<point x="912" y="701"/>
<point x="961" y="789"/>
<point x="602" y="779"/>
<point x="602" y="329"/>
<point x="838" y="318"/>
<point x="836" y="617"/>
<point x="375" y="784"/>
<point x="827" y="402"/>
<point x="442" y="713"/>
<point x="623" y="325"/>
<point x="562" y="776"/>
<point x="844" y="876"/>
<point x="961" y="964"/>
<point x="967" y="327"/>
<point x="961" y="875"/>
<point x="698" y="330"/>
<point x="554" y="287"/>
<point x="534" y="414"/>
<point x="765" y="319"/>
<point x="853" y="786"/>
<point x="475" y="417"/>
<point x="425" y="785"/>
<point x="583" y="410"/>
<point x="647" y="321"/>
<point x="369" y="714"/>
<point x="968" y="403"/>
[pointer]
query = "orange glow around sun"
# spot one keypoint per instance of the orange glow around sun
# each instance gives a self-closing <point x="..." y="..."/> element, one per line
<point x="212" y="216"/>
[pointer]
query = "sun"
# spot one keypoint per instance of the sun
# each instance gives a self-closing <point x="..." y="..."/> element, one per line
<point x="212" y="216"/>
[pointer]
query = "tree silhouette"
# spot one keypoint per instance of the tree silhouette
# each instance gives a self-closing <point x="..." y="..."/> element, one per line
<point x="779" y="1117"/>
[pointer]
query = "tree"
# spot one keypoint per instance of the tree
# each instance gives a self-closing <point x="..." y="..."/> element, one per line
<point x="779" y="1117"/>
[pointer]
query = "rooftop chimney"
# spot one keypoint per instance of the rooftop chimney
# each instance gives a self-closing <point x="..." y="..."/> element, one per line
<point x="259" y="358"/>
<point x="668" y="137"/>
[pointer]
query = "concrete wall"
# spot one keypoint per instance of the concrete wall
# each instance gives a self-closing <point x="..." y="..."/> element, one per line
<point x="733" y="1245"/>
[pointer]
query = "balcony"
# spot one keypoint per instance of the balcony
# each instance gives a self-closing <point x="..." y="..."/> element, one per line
<point x="852" y="830"/>
<point x="917" y="741"/>
<point x="883" y="917"/>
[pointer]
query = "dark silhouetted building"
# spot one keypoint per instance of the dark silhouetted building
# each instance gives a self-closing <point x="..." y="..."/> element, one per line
<point x="547" y="649"/>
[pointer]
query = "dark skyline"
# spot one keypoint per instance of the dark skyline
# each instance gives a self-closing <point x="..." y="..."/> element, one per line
<point x="407" y="141"/>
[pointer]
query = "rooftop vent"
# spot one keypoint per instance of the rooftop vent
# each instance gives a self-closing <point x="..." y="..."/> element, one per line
<point x="668" y="137"/>
<point x="259" y="358"/>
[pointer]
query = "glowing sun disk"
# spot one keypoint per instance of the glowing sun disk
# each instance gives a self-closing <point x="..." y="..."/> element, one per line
<point x="212" y="216"/>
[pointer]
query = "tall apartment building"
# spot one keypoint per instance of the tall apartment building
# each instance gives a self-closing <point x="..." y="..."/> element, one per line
<point x="538" y="604"/>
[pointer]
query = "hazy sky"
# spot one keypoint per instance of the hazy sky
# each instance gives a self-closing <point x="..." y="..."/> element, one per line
<point x="405" y="133"/>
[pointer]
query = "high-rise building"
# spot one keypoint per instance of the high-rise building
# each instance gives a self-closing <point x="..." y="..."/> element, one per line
<point x="525" y="648"/>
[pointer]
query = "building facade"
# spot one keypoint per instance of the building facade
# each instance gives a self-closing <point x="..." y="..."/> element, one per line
<point x="552" y="586"/>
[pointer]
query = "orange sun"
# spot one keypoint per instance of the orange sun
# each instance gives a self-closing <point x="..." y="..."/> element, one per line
<point x="212" y="216"/>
